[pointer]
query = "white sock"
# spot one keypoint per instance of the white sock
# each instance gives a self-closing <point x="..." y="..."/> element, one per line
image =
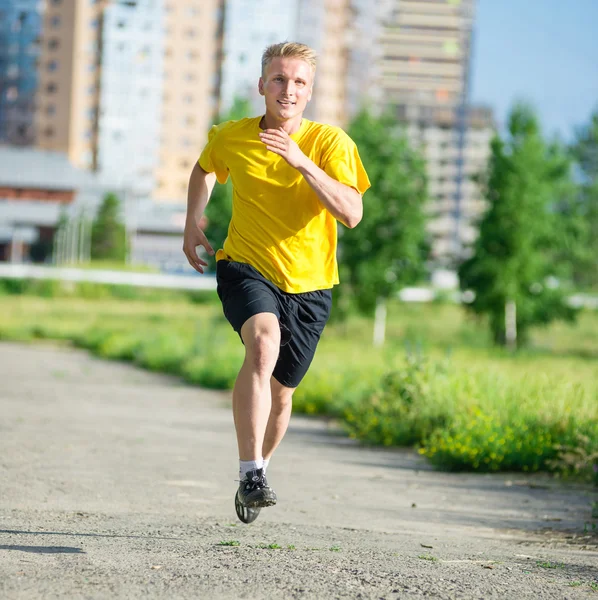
<point x="249" y="465"/>
<point x="266" y="461"/>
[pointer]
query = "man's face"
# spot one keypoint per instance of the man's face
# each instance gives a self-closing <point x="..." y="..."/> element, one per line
<point x="286" y="87"/>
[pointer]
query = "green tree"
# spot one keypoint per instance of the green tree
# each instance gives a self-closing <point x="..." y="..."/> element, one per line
<point x="220" y="207"/>
<point x="514" y="270"/>
<point x="585" y="152"/>
<point x="108" y="233"/>
<point x="387" y="250"/>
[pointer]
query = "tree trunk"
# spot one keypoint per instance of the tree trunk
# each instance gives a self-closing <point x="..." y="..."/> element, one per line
<point x="380" y="322"/>
<point x="511" y="325"/>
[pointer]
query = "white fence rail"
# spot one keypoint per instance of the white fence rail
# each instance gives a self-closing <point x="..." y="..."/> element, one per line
<point x="195" y="282"/>
<point x="154" y="280"/>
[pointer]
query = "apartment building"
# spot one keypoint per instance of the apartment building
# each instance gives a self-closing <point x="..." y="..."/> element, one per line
<point x="129" y="88"/>
<point x="249" y="27"/>
<point x="455" y="154"/>
<point x="190" y="90"/>
<point x="325" y="25"/>
<point x="413" y="57"/>
<point x="20" y="26"/>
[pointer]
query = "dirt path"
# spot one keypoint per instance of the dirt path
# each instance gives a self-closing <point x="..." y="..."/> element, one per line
<point x="117" y="483"/>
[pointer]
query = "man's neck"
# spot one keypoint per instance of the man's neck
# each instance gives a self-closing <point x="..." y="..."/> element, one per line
<point x="291" y="126"/>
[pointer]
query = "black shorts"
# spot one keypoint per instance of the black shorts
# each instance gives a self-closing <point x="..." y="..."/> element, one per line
<point x="244" y="292"/>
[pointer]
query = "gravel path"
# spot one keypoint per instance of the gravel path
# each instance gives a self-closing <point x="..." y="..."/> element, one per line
<point x="118" y="483"/>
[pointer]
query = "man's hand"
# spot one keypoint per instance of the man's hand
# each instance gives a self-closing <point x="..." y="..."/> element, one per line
<point x="192" y="238"/>
<point x="279" y="142"/>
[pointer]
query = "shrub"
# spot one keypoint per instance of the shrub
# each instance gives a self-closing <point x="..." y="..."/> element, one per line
<point x="403" y="408"/>
<point x="579" y="458"/>
<point x="217" y="372"/>
<point x="163" y="352"/>
<point x="120" y="346"/>
<point x="486" y="442"/>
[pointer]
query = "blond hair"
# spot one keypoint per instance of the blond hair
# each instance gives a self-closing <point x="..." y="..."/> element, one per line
<point x="289" y="50"/>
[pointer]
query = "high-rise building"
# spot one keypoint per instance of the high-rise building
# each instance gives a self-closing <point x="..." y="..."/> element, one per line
<point x="190" y="90"/>
<point x="20" y="26"/>
<point x="129" y="88"/>
<point x="130" y="103"/>
<point x="69" y="75"/>
<point x="249" y="27"/>
<point x="325" y="26"/>
<point x="412" y="57"/>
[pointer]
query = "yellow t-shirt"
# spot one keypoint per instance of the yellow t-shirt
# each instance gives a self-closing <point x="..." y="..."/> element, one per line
<point x="279" y="226"/>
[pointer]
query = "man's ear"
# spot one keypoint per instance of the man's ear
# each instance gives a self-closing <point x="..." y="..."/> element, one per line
<point x="260" y="87"/>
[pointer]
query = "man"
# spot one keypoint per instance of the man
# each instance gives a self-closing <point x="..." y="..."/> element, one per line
<point x="292" y="180"/>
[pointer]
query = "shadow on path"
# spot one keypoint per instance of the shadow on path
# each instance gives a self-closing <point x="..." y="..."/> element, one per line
<point x="45" y="549"/>
<point x="97" y="535"/>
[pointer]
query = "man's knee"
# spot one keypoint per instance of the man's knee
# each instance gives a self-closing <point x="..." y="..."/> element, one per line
<point x="282" y="397"/>
<point x="261" y="336"/>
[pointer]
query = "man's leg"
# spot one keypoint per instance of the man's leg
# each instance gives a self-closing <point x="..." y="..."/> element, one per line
<point x="252" y="396"/>
<point x="280" y="415"/>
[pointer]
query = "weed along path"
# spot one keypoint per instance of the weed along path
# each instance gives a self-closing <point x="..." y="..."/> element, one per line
<point x="119" y="483"/>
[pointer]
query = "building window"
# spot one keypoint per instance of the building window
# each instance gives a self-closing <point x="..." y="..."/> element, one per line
<point x="94" y="23"/>
<point x="190" y="33"/>
<point x="51" y="88"/>
<point x="55" y="21"/>
<point x="53" y="44"/>
<point x="56" y="2"/>
<point x="49" y="131"/>
<point x="51" y="110"/>
<point x="192" y="55"/>
<point x="121" y="24"/>
<point x="52" y="66"/>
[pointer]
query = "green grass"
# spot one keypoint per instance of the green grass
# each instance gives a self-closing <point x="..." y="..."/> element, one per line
<point x="550" y="565"/>
<point x="437" y="384"/>
<point x="229" y="543"/>
<point x="428" y="557"/>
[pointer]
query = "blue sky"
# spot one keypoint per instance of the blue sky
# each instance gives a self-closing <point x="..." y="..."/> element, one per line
<point x="542" y="51"/>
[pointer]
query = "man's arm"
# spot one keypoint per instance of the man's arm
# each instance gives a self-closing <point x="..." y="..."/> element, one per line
<point x="342" y="201"/>
<point x="201" y="185"/>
